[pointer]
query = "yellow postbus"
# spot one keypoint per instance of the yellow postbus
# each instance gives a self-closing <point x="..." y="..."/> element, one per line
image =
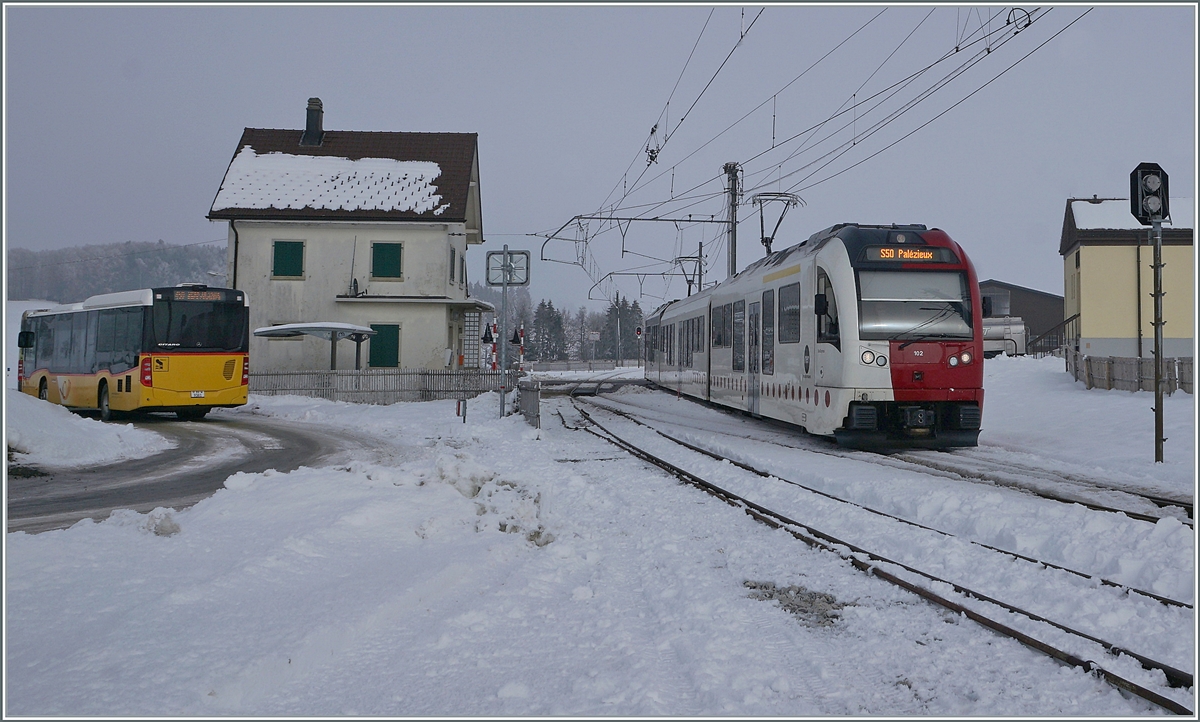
<point x="183" y="349"/>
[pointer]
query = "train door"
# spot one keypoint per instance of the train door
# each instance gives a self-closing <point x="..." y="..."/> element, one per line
<point x="829" y="344"/>
<point x="708" y="351"/>
<point x="753" y="355"/>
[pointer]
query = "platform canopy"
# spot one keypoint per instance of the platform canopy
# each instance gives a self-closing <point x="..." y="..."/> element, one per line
<point x="332" y="330"/>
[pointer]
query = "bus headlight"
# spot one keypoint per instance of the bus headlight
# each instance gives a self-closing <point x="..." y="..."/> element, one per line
<point x="868" y="357"/>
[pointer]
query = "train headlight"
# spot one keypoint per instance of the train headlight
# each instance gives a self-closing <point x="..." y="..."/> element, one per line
<point x="966" y="357"/>
<point x="881" y="360"/>
<point x="868" y="357"/>
<point x="953" y="360"/>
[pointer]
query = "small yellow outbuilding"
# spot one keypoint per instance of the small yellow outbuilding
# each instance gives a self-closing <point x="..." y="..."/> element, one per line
<point x="1108" y="279"/>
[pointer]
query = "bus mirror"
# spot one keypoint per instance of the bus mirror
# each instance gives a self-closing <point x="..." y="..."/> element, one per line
<point x="25" y="339"/>
<point x="820" y="304"/>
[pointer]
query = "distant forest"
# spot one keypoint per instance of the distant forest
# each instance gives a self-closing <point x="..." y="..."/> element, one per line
<point x="69" y="275"/>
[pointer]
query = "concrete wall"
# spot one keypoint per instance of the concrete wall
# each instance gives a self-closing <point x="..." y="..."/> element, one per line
<point x="335" y="253"/>
<point x="1104" y="291"/>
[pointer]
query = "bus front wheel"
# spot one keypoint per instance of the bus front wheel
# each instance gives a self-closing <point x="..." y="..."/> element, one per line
<point x="102" y="403"/>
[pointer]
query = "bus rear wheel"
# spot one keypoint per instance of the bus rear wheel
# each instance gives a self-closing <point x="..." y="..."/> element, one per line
<point x="192" y="414"/>
<point x="102" y="403"/>
<point x="43" y="392"/>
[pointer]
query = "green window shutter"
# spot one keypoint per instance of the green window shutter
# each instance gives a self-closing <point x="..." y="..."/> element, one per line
<point x="288" y="259"/>
<point x="385" y="346"/>
<point x="385" y="260"/>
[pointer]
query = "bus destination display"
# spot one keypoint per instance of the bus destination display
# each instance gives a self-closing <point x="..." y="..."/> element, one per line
<point x="908" y="254"/>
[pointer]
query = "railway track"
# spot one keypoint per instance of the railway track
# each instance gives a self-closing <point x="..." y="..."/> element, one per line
<point x="909" y="577"/>
<point x="969" y="467"/>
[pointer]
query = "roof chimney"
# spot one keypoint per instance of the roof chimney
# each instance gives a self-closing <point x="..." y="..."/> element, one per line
<point x="312" y="129"/>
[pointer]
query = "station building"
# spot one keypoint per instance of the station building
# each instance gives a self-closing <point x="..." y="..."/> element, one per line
<point x="1108" y="278"/>
<point x="366" y="228"/>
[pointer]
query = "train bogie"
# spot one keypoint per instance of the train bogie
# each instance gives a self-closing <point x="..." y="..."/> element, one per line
<point x="869" y="334"/>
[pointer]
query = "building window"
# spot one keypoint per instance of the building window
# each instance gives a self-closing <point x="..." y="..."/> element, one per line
<point x="287" y="259"/>
<point x="386" y="261"/>
<point x="462" y="269"/>
<point x="385" y="346"/>
<point x="452" y="259"/>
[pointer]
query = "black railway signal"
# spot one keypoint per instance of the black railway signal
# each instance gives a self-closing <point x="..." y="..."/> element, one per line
<point x="1148" y="195"/>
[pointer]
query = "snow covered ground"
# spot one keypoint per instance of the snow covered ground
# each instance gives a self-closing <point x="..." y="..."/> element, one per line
<point x="489" y="568"/>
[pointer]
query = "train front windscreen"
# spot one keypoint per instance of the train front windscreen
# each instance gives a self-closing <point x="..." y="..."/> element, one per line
<point x="899" y="305"/>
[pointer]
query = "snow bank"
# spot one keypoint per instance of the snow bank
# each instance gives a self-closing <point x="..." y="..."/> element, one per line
<point x="48" y="435"/>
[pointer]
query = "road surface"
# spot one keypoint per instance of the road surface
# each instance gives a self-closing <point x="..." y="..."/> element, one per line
<point x="205" y="454"/>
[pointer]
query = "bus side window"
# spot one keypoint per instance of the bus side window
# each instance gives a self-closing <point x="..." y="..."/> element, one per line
<point x="45" y="343"/>
<point x="133" y="336"/>
<point x="90" y="364"/>
<point x="62" y="344"/>
<point x="104" y="337"/>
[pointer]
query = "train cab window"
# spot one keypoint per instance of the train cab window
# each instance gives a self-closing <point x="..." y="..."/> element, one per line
<point x="789" y="313"/>
<point x="739" y="336"/>
<point x="768" y="332"/>
<point x="827" y="322"/>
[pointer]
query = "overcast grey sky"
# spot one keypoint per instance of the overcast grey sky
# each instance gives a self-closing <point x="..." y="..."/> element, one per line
<point x="121" y="121"/>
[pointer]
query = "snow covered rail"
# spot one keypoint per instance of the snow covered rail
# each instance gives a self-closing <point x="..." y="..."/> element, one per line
<point x="870" y="562"/>
<point x="969" y="465"/>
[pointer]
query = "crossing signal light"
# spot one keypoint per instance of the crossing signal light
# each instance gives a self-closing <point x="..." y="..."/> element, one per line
<point x="1148" y="197"/>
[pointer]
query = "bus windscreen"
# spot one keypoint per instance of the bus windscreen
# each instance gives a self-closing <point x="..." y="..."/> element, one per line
<point x="200" y="326"/>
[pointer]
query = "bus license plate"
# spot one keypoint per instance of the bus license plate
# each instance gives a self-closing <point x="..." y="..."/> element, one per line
<point x="197" y="394"/>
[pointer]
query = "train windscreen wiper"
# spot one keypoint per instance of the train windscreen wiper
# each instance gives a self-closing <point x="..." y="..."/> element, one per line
<point x="926" y="337"/>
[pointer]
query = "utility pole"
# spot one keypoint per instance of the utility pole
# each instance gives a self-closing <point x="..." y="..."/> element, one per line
<point x="504" y="331"/>
<point x="1158" y="340"/>
<point x="1149" y="199"/>
<point x="731" y="171"/>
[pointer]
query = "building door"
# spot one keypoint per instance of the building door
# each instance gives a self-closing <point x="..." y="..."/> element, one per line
<point x="385" y="346"/>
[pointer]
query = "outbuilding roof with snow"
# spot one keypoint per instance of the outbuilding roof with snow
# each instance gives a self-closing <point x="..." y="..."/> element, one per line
<point x="351" y="175"/>
<point x="1108" y="221"/>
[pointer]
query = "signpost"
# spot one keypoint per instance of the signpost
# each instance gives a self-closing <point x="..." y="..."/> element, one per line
<point x="506" y="268"/>
<point x="1148" y="202"/>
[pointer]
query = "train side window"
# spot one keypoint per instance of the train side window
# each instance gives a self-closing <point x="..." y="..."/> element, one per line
<point x="768" y="332"/>
<point x="827" y="322"/>
<point x="718" y="325"/>
<point x="739" y="336"/>
<point x="789" y="313"/>
<point x="700" y="324"/>
<point x="727" y="334"/>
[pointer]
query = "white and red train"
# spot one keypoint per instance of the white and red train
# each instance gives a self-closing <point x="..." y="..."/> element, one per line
<point x="870" y="334"/>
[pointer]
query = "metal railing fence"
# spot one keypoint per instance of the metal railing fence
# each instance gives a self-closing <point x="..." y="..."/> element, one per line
<point x="380" y="386"/>
<point x="1129" y="374"/>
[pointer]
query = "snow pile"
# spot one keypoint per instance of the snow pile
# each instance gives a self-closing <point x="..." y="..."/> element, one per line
<point x="281" y="180"/>
<point x="45" y="434"/>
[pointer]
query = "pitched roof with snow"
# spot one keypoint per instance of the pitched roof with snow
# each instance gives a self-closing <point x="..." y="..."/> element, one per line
<point x="352" y="175"/>
<point x="1114" y="214"/>
<point x="1107" y="221"/>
